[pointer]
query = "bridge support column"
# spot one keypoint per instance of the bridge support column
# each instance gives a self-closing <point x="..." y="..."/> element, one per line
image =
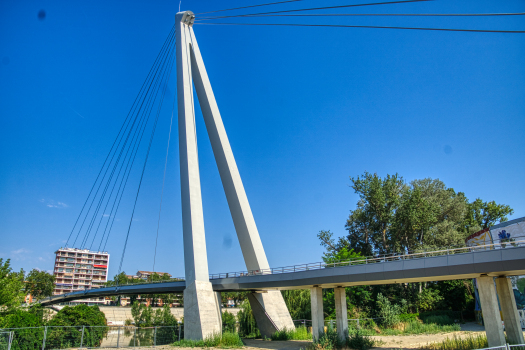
<point x="201" y="318"/>
<point x="341" y="313"/>
<point x="270" y="312"/>
<point x="274" y="314"/>
<point x="509" y="310"/>
<point x="490" y="310"/>
<point x="316" y="297"/>
<point x="218" y="302"/>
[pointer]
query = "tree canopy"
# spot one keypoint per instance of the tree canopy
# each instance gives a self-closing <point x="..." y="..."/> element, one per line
<point x="11" y="287"/>
<point x="39" y="284"/>
<point x="394" y="216"/>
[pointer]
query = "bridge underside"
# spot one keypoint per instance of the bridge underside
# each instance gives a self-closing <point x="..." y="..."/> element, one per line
<point x="498" y="262"/>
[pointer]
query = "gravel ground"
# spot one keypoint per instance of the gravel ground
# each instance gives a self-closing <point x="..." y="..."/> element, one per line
<point x="387" y="342"/>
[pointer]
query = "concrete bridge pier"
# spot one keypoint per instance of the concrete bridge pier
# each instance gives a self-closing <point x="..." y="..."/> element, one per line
<point x="490" y="309"/>
<point x="316" y="298"/>
<point x="341" y="313"/>
<point x="509" y="310"/>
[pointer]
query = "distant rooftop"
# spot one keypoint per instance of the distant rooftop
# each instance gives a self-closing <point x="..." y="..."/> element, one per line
<point x="80" y="251"/>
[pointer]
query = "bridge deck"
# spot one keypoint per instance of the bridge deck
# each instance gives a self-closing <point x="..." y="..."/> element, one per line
<point x="496" y="262"/>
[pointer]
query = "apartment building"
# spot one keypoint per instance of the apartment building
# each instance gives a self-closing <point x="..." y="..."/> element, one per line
<point x="80" y="269"/>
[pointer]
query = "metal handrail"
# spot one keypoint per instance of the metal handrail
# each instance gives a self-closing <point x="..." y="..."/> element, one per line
<point x="379" y="258"/>
<point x="368" y="260"/>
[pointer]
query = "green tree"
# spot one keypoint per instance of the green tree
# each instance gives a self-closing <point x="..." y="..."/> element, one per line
<point x="11" y="287"/>
<point x="91" y="317"/>
<point x="486" y="214"/>
<point x="39" y="284"/>
<point x="247" y="323"/>
<point x="392" y="216"/>
<point x="298" y="303"/>
<point x="369" y="225"/>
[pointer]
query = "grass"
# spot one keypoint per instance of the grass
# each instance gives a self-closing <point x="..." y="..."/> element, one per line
<point x="226" y="340"/>
<point x="456" y="343"/>
<point x="414" y="327"/>
<point x="299" y="333"/>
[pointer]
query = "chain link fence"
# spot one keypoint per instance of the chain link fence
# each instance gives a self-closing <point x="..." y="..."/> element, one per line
<point x="65" y="337"/>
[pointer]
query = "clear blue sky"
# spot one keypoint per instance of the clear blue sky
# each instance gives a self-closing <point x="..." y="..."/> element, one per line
<point x="304" y="108"/>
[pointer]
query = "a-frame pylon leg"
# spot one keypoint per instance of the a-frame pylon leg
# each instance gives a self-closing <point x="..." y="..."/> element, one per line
<point x="274" y="310"/>
<point x="201" y="317"/>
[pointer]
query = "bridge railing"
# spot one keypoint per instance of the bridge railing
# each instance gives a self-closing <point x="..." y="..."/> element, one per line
<point x="374" y="259"/>
<point x="371" y="259"/>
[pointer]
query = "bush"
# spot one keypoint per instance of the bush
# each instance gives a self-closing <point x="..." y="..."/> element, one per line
<point x="224" y="341"/>
<point x="78" y="316"/>
<point x="27" y="338"/>
<point x="247" y="325"/>
<point x="299" y="333"/>
<point x="453" y="315"/>
<point x="441" y="320"/>
<point x="358" y="341"/>
<point x="408" y="317"/>
<point x="228" y="321"/>
<point x="416" y="327"/>
<point x="388" y="312"/>
<point x="328" y="341"/>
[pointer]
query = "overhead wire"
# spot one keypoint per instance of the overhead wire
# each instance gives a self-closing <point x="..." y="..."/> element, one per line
<point x="108" y="182"/>
<point x="170" y="65"/>
<point x="386" y="14"/>
<point x="374" y="27"/>
<point x="131" y="113"/>
<point x="134" y="143"/>
<point x="111" y="150"/>
<point x="131" y="160"/>
<point x="246" y="7"/>
<point x="319" y="8"/>
<point x="163" y="182"/>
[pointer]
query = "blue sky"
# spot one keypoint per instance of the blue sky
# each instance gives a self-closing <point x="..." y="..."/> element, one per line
<point x="304" y="108"/>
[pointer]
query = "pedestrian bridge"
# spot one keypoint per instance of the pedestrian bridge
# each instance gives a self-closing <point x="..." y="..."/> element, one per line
<point x="448" y="264"/>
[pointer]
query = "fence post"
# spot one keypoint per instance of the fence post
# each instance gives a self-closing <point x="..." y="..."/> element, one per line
<point x="357" y="323"/>
<point x="44" y="341"/>
<point x="180" y="326"/>
<point x="118" y="336"/>
<point x="82" y="338"/>
<point x="134" y="336"/>
<point x="155" y="337"/>
<point x="11" y="336"/>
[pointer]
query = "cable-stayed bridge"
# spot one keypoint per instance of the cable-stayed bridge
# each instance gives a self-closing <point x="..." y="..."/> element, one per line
<point x="201" y="300"/>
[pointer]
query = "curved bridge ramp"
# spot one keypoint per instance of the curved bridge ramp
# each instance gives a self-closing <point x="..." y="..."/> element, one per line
<point x="402" y="269"/>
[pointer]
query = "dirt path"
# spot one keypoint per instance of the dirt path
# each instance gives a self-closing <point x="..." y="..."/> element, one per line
<point x="386" y="342"/>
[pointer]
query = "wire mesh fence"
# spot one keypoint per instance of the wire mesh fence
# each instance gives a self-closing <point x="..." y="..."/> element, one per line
<point x="66" y="337"/>
<point x="6" y="339"/>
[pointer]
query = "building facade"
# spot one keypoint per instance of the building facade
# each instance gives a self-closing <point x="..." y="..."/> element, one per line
<point x="80" y="269"/>
<point x="146" y="274"/>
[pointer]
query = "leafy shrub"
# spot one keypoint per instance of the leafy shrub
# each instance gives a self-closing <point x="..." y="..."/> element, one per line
<point x="428" y="299"/>
<point x="358" y="341"/>
<point x="408" y="317"/>
<point x="388" y="312"/>
<point x="439" y="319"/>
<point x="299" y="333"/>
<point x="224" y="341"/>
<point x="328" y="341"/>
<point x="228" y="321"/>
<point x="128" y="322"/>
<point x="247" y="325"/>
<point x="72" y="319"/>
<point x="453" y="315"/>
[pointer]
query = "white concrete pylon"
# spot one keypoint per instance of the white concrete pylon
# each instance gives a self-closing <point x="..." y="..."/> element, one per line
<point x="201" y="312"/>
<point x="191" y="66"/>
